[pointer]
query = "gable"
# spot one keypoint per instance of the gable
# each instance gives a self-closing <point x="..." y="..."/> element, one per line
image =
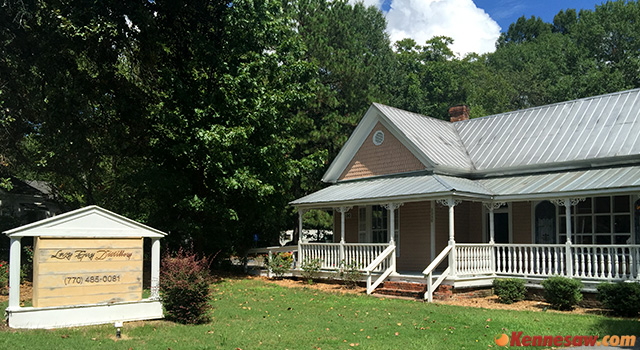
<point x="87" y="222"/>
<point x="390" y="157"/>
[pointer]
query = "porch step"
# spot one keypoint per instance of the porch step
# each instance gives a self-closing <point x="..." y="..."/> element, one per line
<point x="412" y="290"/>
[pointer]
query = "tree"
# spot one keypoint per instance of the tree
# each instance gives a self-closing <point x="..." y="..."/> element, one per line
<point x="181" y="114"/>
<point x="524" y="30"/>
<point x="66" y="87"/>
<point x="427" y="77"/>
<point x="350" y="48"/>
<point x="610" y="35"/>
<point x="564" y="21"/>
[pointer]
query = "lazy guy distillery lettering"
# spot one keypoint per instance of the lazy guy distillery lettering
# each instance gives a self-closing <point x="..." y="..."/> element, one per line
<point x="96" y="255"/>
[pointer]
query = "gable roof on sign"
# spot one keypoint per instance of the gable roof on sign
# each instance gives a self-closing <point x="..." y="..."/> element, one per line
<point x="87" y="222"/>
<point x="593" y="131"/>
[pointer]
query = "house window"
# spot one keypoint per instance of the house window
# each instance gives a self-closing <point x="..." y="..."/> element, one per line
<point x="598" y="220"/>
<point x="362" y="224"/>
<point x="373" y="225"/>
<point x="545" y="224"/>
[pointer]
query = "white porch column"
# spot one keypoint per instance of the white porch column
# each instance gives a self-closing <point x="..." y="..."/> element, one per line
<point x="14" y="273"/>
<point x="155" y="268"/>
<point x="300" y="213"/>
<point x="567" y="209"/>
<point x="432" y="208"/>
<point x="300" y="254"/>
<point x="492" y="206"/>
<point x="391" y="207"/>
<point x="567" y="203"/>
<point x="342" y="211"/>
<point x="451" y="203"/>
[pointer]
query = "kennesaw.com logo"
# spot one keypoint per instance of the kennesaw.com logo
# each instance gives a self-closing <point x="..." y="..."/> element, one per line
<point x="517" y="339"/>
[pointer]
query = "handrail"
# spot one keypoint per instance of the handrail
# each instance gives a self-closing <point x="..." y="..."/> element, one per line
<point x="390" y="250"/>
<point x="443" y="254"/>
<point x="274" y="249"/>
<point x="346" y="244"/>
<point x="428" y="272"/>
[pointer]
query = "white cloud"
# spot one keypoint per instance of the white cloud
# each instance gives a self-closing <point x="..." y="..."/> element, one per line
<point x="471" y="28"/>
<point x="367" y="3"/>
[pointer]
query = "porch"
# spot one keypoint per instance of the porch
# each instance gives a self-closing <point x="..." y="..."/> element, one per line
<point x="476" y="264"/>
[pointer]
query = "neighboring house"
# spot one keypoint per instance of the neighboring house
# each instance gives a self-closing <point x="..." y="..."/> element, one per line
<point x="26" y="202"/>
<point x="550" y="190"/>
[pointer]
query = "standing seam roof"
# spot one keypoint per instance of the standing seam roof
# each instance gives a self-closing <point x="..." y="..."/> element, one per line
<point x="435" y="138"/>
<point x="590" y="128"/>
<point x="553" y="185"/>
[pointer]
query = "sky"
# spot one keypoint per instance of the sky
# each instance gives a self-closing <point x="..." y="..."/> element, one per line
<point x="474" y="25"/>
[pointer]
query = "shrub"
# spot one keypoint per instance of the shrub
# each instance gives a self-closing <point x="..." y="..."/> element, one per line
<point x="509" y="290"/>
<point x="4" y="278"/>
<point x="280" y="263"/>
<point x="562" y="293"/>
<point x="350" y="273"/>
<point x="310" y="268"/>
<point x="184" y="284"/>
<point x="623" y="298"/>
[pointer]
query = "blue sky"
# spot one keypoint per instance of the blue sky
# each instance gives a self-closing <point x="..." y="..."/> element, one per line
<point x="474" y="25"/>
<point x="506" y="12"/>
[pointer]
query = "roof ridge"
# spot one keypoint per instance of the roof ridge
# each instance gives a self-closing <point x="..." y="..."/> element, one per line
<point x="442" y="182"/>
<point x="401" y="120"/>
<point x="416" y="113"/>
<point x="464" y="146"/>
<point x="547" y="105"/>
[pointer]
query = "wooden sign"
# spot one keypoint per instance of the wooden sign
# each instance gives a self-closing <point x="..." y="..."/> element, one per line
<point x="86" y="271"/>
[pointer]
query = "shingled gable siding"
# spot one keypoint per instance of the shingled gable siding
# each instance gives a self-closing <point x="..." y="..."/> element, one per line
<point x="391" y="157"/>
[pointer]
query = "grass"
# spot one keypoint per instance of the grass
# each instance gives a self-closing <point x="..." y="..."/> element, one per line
<point x="252" y="314"/>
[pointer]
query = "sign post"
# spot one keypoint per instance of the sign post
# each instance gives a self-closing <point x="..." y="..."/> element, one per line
<point x="87" y="269"/>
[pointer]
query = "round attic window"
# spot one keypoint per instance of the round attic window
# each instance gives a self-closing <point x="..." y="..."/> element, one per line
<point x="378" y="138"/>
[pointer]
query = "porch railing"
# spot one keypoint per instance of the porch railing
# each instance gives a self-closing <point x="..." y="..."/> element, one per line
<point x="610" y="262"/>
<point x="604" y="262"/>
<point x="331" y="255"/>
<point x="530" y="259"/>
<point x="473" y="259"/>
<point x="327" y="253"/>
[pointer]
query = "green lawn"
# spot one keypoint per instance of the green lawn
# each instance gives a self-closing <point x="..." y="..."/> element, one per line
<point x="252" y="314"/>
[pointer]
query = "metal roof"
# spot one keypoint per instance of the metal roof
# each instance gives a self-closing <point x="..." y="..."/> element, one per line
<point x="437" y="139"/>
<point x="392" y="188"/>
<point x="575" y="135"/>
<point x="624" y="179"/>
<point x="523" y="187"/>
<point x="586" y="129"/>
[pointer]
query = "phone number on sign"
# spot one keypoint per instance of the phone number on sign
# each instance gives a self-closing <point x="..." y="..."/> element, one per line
<point x="91" y="279"/>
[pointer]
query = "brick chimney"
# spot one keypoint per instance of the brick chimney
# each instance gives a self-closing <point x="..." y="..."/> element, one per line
<point x="458" y="113"/>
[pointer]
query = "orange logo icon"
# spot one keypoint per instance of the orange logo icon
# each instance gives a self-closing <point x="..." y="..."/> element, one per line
<point x="503" y="340"/>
